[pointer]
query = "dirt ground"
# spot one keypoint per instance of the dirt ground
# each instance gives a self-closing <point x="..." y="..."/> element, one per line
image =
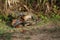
<point x="48" y="31"/>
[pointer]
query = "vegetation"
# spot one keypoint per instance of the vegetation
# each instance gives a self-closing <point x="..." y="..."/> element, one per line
<point x="44" y="11"/>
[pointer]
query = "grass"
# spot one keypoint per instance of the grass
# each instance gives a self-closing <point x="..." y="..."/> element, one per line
<point x="4" y="27"/>
<point x="55" y="19"/>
